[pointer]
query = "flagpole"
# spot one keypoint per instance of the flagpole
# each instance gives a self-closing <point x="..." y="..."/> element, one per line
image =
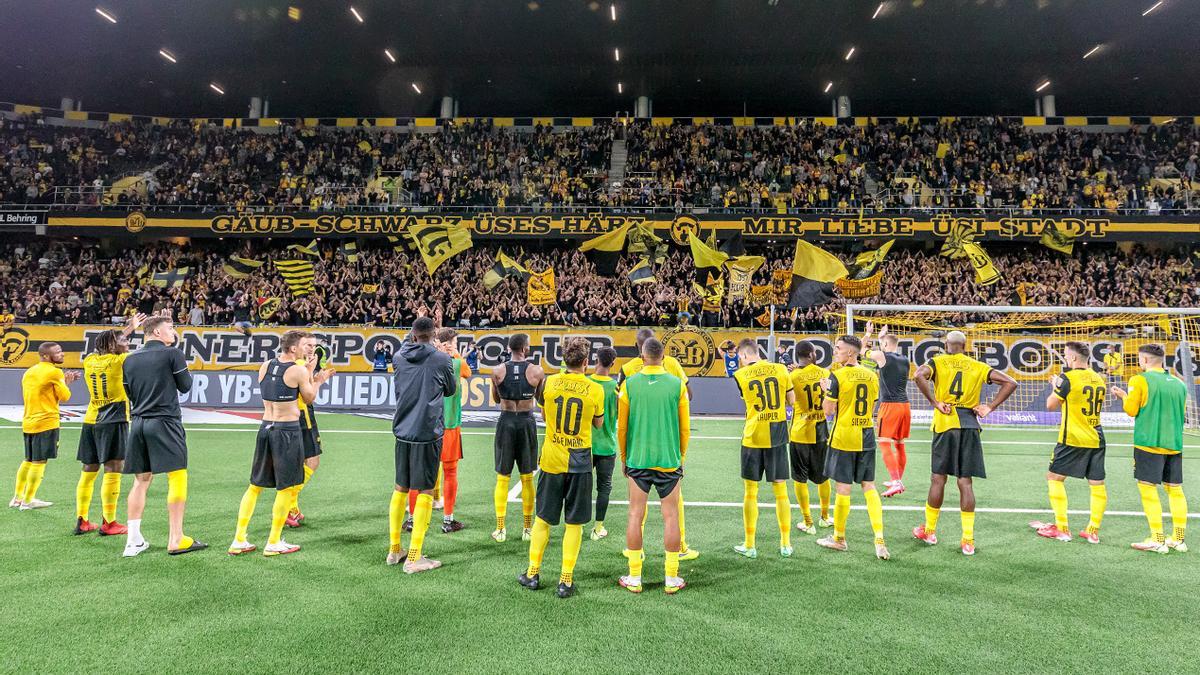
<point x="771" y="336"/>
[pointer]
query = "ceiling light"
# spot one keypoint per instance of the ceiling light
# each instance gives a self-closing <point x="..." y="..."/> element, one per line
<point x="214" y="87"/>
<point x="617" y="53"/>
<point x="828" y="86"/>
<point x="1091" y="51"/>
<point x="167" y="55"/>
<point x="106" y="15"/>
<point x="850" y="53"/>
<point x="416" y="88"/>
<point x="612" y="12"/>
<point x="293" y="13"/>
<point x="388" y="53"/>
<point x="1043" y="85"/>
<point x="620" y="88"/>
<point x="1152" y="8"/>
<point x="356" y="14"/>
<point x="878" y="10"/>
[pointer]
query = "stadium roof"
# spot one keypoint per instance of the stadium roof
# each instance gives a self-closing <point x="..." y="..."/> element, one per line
<point x="558" y="57"/>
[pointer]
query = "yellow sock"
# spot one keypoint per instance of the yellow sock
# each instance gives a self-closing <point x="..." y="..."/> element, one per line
<point x="635" y="558"/>
<point x="537" y="546"/>
<point x="801" y="489"/>
<point x="1153" y="508"/>
<point x="875" y="513"/>
<point x="420" y="525"/>
<point x="824" y="491"/>
<point x="177" y="486"/>
<point x="22" y="479"/>
<point x="246" y="510"/>
<point x="110" y="494"/>
<point x="683" y="547"/>
<point x="1099" y="502"/>
<point x="527" y="500"/>
<point x="437" y="485"/>
<point x="500" y="499"/>
<point x="1058" y="502"/>
<point x="1178" y="505"/>
<point x="931" y="518"/>
<point x="396" y="519"/>
<point x="34" y="480"/>
<point x="671" y="566"/>
<point x="841" y="513"/>
<point x="645" y="515"/>
<point x="968" y="526"/>
<point x="279" y="511"/>
<point x="750" y="511"/>
<point x="572" y="540"/>
<point x="308" y="474"/>
<point x="783" y="513"/>
<point x="599" y="525"/>
<point x="83" y="493"/>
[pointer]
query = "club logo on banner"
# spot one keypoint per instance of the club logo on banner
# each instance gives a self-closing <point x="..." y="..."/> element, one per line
<point x="135" y="222"/>
<point x="682" y="228"/>
<point x="14" y="342"/>
<point x="692" y="347"/>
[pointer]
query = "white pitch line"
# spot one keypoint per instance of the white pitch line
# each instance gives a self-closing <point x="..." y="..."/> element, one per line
<point x="862" y="507"/>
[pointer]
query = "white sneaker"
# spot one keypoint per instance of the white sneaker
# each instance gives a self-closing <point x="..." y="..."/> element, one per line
<point x="1177" y="546"/>
<point x="15" y="503"/>
<point x="810" y="529"/>
<point x="746" y="552"/>
<point x="825" y="522"/>
<point x="500" y="534"/>
<point x="527" y="534"/>
<point x="438" y="504"/>
<point x="132" y="550"/>
<point x="240" y="547"/>
<point x="35" y="504"/>
<point x="672" y="585"/>
<point x="597" y="535"/>
<point x="882" y="553"/>
<point x="280" y="548"/>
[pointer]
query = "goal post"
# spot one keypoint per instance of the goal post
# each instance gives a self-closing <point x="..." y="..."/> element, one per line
<point x="1027" y="343"/>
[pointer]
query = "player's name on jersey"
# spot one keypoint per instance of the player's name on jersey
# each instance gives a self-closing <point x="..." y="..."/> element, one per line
<point x="585" y="224"/>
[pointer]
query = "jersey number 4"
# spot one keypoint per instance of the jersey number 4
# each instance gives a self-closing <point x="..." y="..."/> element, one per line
<point x="956" y="388"/>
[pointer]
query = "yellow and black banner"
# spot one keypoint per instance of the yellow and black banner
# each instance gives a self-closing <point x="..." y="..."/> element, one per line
<point x="541" y="288"/>
<point x="585" y="226"/>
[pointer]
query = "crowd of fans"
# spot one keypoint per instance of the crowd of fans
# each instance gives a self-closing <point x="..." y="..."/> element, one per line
<point x="78" y="282"/>
<point x="968" y="163"/>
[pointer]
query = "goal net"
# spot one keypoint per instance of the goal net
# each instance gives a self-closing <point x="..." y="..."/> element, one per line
<point x="1028" y="342"/>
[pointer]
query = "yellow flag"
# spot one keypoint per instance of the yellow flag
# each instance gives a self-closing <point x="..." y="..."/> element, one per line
<point x="1058" y="240"/>
<point x="942" y="149"/>
<point x="541" y="288"/>
<point x="986" y="273"/>
<point x="439" y="243"/>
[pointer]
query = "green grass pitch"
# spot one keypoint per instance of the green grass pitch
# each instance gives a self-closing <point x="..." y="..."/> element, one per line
<point x="1021" y="604"/>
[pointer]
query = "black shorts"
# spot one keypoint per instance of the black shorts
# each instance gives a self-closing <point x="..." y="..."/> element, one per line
<point x="565" y="494"/>
<point x="516" y="443"/>
<point x="102" y="443"/>
<point x="1154" y="468"/>
<point x="417" y="464"/>
<point x="808" y="462"/>
<point x="771" y="463"/>
<point x="156" y="445"/>
<point x="1075" y="462"/>
<point x="278" y="456"/>
<point x="959" y="453"/>
<point x="310" y="435"/>
<point x="41" y="446"/>
<point x="850" y="467"/>
<point x="663" y="481"/>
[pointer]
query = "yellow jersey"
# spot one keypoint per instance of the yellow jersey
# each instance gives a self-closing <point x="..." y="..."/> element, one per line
<point x="958" y="381"/>
<point x="1114" y="363"/>
<point x="669" y="364"/>
<point x="572" y="401"/>
<point x="1082" y="394"/>
<point x="764" y="387"/>
<point x="43" y="387"/>
<point x="855" y="389"/>
<point x="105" y="382"/>
<point x="807" y="413"/>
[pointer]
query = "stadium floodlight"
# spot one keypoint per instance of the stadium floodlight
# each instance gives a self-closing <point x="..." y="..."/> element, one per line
<point x="612" y="11"/>
<point x="850" y="53"/>
<point x="106" y="14"/>
<point x="878" y="10"/>
<point x="620" y="88"/>
<point x="388" y="53"/>
<point x="617" y="54"/>
<point x="356" y="14"/>
<point x="1043" y="85"/>
<point x="416" y="88"/>
<point x="828" y="86"/>
<point x="215" y="87"/>
<point x="1091" y="51"/>
<point x="167" y="55"/>
<point x="1153" y="7"/>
